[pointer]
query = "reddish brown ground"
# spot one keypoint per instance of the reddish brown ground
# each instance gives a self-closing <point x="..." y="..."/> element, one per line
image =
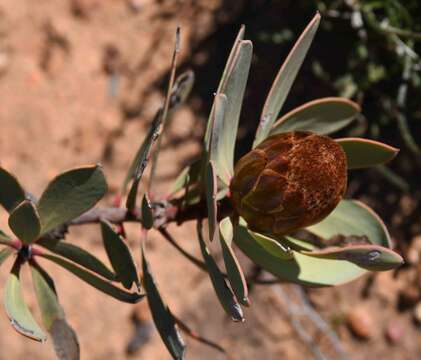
<point x="56" y="112"/>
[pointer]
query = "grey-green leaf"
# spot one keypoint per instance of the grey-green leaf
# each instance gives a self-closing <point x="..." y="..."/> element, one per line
<point x="11" y="192"/>
<point x="223" y="292"/>
<point x="284" y="80"/>
<point x="224" y="77"/>
<point x="234" y="90"/>
<point x="16" y="308"/>
<point x="120" y="256"/>
<point x="321" y="116"/>
<point x="79" y="256"/>
<point x="232" y="265"/>
<point x="272" y="246"/>
<point x="69" y="195"/>
<point x="302" y="269"/>
<point x="45" y="291"/>
<point x="24" y="222"/>
<point x="363" y="153"/>
<point x="353" y="218"/>
<point x="214" y="148"/>
<point x="65" y="341"/>
<point x="370" y="257"/>
<point x="161" y="314"/>
<point x="98" y="283"/>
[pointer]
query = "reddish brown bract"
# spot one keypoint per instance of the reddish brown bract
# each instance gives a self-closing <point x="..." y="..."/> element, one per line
<point x="291" y="180"/>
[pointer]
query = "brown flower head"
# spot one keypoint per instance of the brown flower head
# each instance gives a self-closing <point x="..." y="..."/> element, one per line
<point x="291" y="180"/>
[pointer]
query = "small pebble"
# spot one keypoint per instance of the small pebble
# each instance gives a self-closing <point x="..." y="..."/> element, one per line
<point x="360" y="323"/>
<point x="394" y="333"/>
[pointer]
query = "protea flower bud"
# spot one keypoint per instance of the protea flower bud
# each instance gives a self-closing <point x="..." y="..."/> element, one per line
<point x="291" y="180"/>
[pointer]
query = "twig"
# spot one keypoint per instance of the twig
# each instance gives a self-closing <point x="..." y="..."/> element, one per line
<point x="186" y="329"/>
<point x="302" y="308"/>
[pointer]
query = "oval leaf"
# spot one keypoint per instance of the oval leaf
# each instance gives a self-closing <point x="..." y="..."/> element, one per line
<point x="302" y="269"/>
<point x="11" y="193"/>
<point x="370" y="257"/>
<point x="353" y="218"/>
<point x="16" y="308"/>
<point x="161" y="314"/>
<point x="321" y="116"/>
<point x="363" y="153"/>
<point x="235" y="273"/>
<point x="70" y="195"/>
<point x="284" y="80"/>
<point x="45" y="291"/>
<point x="120" y="256"/>
<point x="65" y="340"/>
<point x="98" y="283"/>
<point x="223" y="292"/>
<point x="79" y="256"/>
<point x="25" y="223"/>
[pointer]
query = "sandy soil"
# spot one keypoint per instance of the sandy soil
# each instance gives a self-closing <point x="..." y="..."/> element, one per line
<point x="59" y="108"/>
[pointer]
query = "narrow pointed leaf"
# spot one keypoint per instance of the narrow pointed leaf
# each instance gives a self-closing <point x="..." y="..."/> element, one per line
<point x="234" y="90"/>
<point x="120" y="256"/>
<point x="302" y="269"/>
<point x="79" y="256"/>
<point x="363" y="153"/>
<point x="147" y="216"/>
<point x="272" y="246"/>
<point x="223" y="292"/>
<point x="232" y="265"/>
<point x="353" y="218"/>
<point x="140" y="161"/>
<point x="161" y="314"/>
<point x="370" y="257"/>
<point x="211" y="190"/>
<point x="69" y="195"/>
<point x="284" y="80"/>
<point x="16" y="308"/>
<point x="222" y="83"/>
<point x="64" y="338"/>
<point x="321" y="116"/>
<point x="24" y="222"/>
<point x="4" y="254"/>
<point x="214" y="147"/>
<point x="93" y="280"/>
<point x="11" y="192"/>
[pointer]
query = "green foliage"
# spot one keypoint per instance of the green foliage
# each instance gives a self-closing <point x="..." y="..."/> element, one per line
<point x="162" y="316"/>
<point x="24" y="221"/>
<point x="346" y="244"/>
<point x="70" y="195"/>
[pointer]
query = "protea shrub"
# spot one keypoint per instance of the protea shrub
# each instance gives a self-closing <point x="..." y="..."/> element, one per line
<point x="289" y="189"/>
